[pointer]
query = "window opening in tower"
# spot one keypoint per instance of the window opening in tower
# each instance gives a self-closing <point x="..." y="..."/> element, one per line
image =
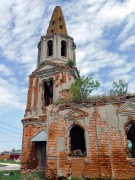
<point x="50" y="48"/>
<point x="63" y="48"/>
<point x="48" y="92"/>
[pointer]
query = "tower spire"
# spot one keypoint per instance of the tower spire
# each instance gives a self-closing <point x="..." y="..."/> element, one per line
<point x="57" y="24"/>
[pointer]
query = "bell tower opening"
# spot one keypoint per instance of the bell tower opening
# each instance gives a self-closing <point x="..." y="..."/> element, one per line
<point x="63" y="48"/>
<point x="48" y="92"/>
<point x="50" y="48"/>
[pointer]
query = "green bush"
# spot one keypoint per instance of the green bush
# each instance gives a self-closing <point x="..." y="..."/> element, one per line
<point x="70" y="63"/>
<point x="83" y="86"/>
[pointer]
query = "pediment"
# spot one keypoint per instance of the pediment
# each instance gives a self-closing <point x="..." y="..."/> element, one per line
<point x="127" y="108"/>
<point x="46" y="67"/>
<point x="76" y="113"/>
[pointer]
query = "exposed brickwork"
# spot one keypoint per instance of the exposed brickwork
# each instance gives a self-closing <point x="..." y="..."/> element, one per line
<point x="36" y="89"/>
<point x="106" y="144"/>
<point x="51" y="166"/>
<point x="69" y="76"/>
<point x="102" y="122"/>
<point x="32" y="126"/>
<point x="57" y="20"/>
<point x="29" y="98"/>
<point x="57" y="76"/>
<point x="65" y="95"/>
<point x="106" y="157"/>
<point x="43" y="100"/>
<point x="64" y="77"/>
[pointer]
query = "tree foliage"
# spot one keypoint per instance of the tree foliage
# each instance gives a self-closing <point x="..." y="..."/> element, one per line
<point x="119" y="88"/>
<point x="83" y="86"/>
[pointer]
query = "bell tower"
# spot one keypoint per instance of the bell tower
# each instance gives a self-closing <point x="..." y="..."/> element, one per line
<point x="52" y="78"/>
<point x="56" y="46"/>
<point x="49" y="83"/>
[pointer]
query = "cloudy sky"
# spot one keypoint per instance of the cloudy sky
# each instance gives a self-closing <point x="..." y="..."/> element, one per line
<point x="102" y="30"/>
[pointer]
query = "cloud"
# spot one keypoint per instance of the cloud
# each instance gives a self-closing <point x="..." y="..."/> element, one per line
<point x="5" y="71"/>
<point x="11" y="96"/>
<point x="130" y="41"/>
<point x="91" y="25"/>
<point x="103" y="31"/>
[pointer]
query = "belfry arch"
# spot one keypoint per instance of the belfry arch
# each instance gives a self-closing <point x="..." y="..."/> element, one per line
<point x="63" y="48"/>
<point x="50" y="48"/>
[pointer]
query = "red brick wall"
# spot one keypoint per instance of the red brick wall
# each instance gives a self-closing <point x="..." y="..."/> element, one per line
<point x="107" y="154"/>
<point x="36" y="89"/>
<point x="29" y="98"/>
<point x="29" y="149"/>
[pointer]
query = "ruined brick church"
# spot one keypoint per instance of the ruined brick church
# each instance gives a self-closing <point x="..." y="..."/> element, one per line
<point x="93" y="139"/>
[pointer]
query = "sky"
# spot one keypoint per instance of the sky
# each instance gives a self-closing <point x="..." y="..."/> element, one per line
<point x="104" y="34"/>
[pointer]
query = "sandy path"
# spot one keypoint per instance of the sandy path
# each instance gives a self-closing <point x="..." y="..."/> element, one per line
<point x="10" y="166"/>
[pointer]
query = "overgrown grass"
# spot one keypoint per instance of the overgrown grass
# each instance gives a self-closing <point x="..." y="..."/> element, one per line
<point x="91" y="98"/>
<point x="33" y="176"/>
<point x="9" y="161"/>
<point x="13" y="175"/>
<point x="76" y="178"/>
<point x="2" y="165"/>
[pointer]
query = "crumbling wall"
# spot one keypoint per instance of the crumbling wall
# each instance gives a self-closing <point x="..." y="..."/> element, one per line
<point x="106" y="155"/>
<point x="32" y="126"/>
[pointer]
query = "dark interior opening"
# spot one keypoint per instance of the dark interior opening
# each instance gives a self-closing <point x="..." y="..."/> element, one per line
<point x="63" y="48"/>
<point x="41" y="146"/>
<point x="78" y="147"/>
<point x="131" y="139"/>
<point x="50" y="48"/>
<point x="61" y="27"/>
<point x="48" y="92"/>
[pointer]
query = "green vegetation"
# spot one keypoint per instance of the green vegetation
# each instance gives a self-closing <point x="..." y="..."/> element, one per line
<point x="33" y="176"/>
<point x="119" y="88"/>
<point x="2" y="165"/>
<point x="9" y="161"/>
<point x="75" y="178"/>
<point x="13" y="175"/>
<point x="70" y="63"/>
<point x="83" y="86"/>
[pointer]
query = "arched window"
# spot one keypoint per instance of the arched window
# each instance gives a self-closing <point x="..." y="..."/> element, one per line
<point x="50" y="48"/>
<point x="77" y="141"/>
<point x="130" y="131"/>
<point x="63" y="48"/>
<point x="48" y="92"/>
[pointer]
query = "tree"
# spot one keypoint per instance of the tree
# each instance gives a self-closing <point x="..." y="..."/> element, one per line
<point x="119" y="88"/>
<point x="83" y="86"/>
